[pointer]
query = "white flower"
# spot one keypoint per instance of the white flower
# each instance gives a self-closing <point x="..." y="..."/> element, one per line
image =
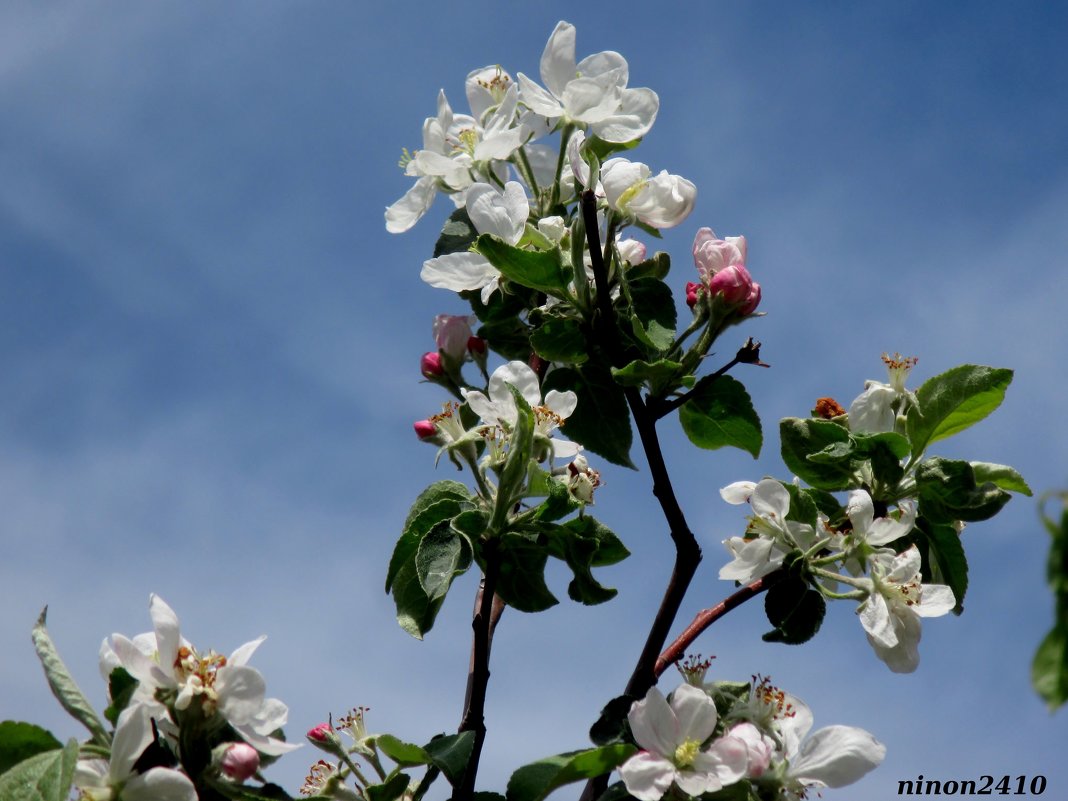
<point x="671" y="736"/>
<point x="896" y="601"/>
<point x="593" y="92"/>
<point x="831" y="757"/>
<point x="875" y="410"/>
<point x="165" y="661"/>
<point x="769" y="536"/>
<point x="499" y="409"/>
<point x="503" y="214"/>
<point x="116" y="780"/>
<point x="661" y="201"/>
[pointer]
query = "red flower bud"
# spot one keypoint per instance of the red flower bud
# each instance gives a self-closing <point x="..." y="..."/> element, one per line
<point x="424" y="429"/>
<point x="476" y="345"/>
<point x="691" y="293"/>
<point x="323" y="731"/>
<point x="430" y="365"/>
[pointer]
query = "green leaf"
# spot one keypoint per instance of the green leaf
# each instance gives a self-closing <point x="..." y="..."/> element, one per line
<point x="559" y="502"/>
<point x="601" y="421"/>
<point x="953" y="401"/>
<point x="610" y="549"/>
<point x="560" y="339"/>
<point x="19" y="741"/>
<point x="404" y="754"/>
<point x="578" y="553"/>
<point x="509" y="337"/>
<point x="450" y="754"/>
<point x="719" y="413"/>
<point x="443" y="555"/>
<point x="517" y="465"/>
<point x="1049" y="668"/>
<point x="947" y="552"/>
<point x="653" y="313"/>
<point x="535" y="781"/>
<point x="795" y="610"/>
<point x="440" y="501"/>
<point x="389" y="790"/>
<point x="415" y="611"/>
<point x="537" y="269"/>
<point x="121" y="687"/>
<point x="661" y="376"/>
<point x="457" y="235"/>
<point x="657" y="266"/>
<point x="63" y="685"/>
<point x="611" y="725"/>
<point x="521" y="581"/>
<point x="801" y="438"/>
<point x="43" y="777"/>
<point x="948" y="492"/>
<point x="1002" y="476"/>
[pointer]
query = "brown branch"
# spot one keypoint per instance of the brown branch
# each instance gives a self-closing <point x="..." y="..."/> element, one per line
<point x="687" y="551"/>
<point x="706" y="617"/>
<point x="488" y="609"/>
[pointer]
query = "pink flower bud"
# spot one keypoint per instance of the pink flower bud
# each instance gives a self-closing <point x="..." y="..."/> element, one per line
<point x="240" y="762"/>
<point x="451" y="333"/>
<point x="691" y="293"/>
<point x="322" y="732"/>
<point x="476" y="345"/>
<point x="752" y="301"/>
<point x="735" y="285"/>
<point x="430" y="366"/>
<point x="711" y="255"/>
<point x="424" y="429"/>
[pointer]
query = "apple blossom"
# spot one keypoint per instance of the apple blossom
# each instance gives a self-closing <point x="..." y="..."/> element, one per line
<point x="769" y="535"/>
<point x="502" y="214"/>
<point x="591" y="93"/>
<point x="711" y="254"/>
<point x="869" y="532"/>
<point x="660" y="201"/>
<point x="167" y="667"/>
<point x="895" y="603"/>
<point x="721" y="265"/>
<point x="671" y="736"/>
<point x="876" y="409"/>
<point x="118" y="779"/>
<point x="499" y="409"/>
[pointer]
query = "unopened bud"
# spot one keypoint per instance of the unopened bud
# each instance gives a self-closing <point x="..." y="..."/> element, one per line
<point x="325" y="738"/>
<point x="692" y="288"/>
<point x="320" y="733"/>
<point x="425" y="430"/>
<point x="431" y="367"/>
<point x="476" y="346"/>
<point x="239" y="761"/>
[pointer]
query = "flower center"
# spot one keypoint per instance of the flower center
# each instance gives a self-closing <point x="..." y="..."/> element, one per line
<point x="686" y="753"/>
<point x="198" y="673"/>
<point x="771" y="700"/>
<point x="898" y="367"/>
<point x="497" y="86"/>
<point x="466" y="141"/>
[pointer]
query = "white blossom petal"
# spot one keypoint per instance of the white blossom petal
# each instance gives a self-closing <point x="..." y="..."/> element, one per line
<point x="836" y="756"/>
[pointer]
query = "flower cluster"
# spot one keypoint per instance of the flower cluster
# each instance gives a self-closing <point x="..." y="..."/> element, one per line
<point x="763" y="739"/>
<point x="176" y="699"/>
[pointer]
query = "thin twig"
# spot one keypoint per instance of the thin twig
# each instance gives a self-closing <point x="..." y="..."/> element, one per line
<point x="706" y="617"/>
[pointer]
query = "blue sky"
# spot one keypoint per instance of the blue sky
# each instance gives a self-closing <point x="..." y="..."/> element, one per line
<point x="210" y="344"/>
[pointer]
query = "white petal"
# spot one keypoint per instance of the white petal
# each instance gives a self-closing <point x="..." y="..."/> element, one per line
<point x="481" y="405"/>
<point x="871" y="411"/>
<point x="665" y="200"/>
<point x="165" y="623"/>
<point x="245" y="652"/>
<point x="861" y="511"/>
<point x="727" y="759"/>
<point x="695" y="712"/>
<point x="241" y="690"/>
<point x="500" y="145"/>
<point x="502" y="214"/>
<point x="564" y="448"/>
<point x="561" y="403"/>
<point x="558" y="58"/>
<point x="653" y="724"/>
<point x="770" y="499"/>
<point x="935" y="601"/>
<point x="738" y="493"/>
<point x="836" y="756"/>
<point x="877" y="621"/>
<point x="159" y="784"/>
<point x="634" y="118"/>
<point x="904" y="657"/>
<point x="519" y="375"/>
<point x="411" y="207"/>
<point x="591" y="100"/>
<point x="133" y="733"/>
<point x="647" y="776"/>
<point x="694" y="781"/>
<point x="458" y="271"/>
<point x="604" y="62"/>
<point x="538" y="100"/>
